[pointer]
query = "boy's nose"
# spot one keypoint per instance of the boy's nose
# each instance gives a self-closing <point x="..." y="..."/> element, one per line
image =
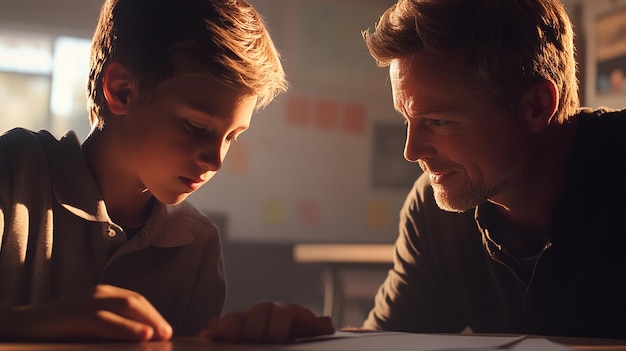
<point x="211" y="156"/>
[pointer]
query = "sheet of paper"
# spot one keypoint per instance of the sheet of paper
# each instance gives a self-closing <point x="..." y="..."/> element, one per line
<point x="539" y="344"/>
<point x="349" y="341"/>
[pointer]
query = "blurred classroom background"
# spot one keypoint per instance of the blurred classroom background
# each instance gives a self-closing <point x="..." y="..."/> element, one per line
<point x="320" y="168"/>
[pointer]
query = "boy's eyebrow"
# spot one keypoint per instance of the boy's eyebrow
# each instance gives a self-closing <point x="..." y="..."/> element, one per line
<point x="199" y="110"/>
<point x="194" y="111"/>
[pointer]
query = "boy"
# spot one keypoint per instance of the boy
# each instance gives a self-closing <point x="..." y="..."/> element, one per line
<point x="96" y="239"/>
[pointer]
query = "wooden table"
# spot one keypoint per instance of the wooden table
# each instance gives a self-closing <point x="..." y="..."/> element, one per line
<point x="196" y="344"/>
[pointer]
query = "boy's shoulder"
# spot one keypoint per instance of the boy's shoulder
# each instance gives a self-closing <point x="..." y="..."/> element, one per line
<point x="190" y="212"/>
<point x="17" y="139"/>
<point x="174" y="225"/>
<point x="20" y="137"/>
<point x="21" y="147"/>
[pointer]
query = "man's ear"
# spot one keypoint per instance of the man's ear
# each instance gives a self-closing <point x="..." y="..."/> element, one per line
<point x="116" y="87"/>
<point x="541" y="103"/>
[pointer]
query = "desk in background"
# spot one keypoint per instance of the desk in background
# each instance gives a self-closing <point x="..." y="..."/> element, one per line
<point x="338" y="258"/>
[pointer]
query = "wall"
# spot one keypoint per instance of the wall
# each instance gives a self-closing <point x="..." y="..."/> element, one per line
<point x="294" y="179"/>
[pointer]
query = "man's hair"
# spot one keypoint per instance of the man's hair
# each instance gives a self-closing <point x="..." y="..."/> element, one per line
<point x="157" y="40"/>
<point x="512" y="43"/>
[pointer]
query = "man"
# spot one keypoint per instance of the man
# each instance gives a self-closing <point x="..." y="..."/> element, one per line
<point x="516" y="224"/>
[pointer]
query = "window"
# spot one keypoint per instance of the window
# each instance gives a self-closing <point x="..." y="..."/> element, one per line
<point x="43" y="81"/>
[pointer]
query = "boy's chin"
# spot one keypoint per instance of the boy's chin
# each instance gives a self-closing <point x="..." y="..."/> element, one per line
<point x="173" y="200"/>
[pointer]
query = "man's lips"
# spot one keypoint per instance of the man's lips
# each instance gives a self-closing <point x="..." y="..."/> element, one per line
<point x="439" y="177"/>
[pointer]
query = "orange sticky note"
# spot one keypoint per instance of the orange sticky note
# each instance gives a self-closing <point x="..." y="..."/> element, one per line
<point x="354" y="118"/>
<point x="298" y="111"/>
<point x="326" y="114"/>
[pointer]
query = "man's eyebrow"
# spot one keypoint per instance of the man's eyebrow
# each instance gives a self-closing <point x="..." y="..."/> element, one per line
<point x="432" y="105"/>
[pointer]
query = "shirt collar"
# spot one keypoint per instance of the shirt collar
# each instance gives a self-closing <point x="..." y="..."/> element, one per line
<point x="74" y="185"/>
<point x="76" y="190"/>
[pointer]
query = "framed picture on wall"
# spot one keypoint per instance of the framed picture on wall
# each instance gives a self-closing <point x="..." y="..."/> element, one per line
<point x="610" y="58"/>
<point x="389" y="168"/>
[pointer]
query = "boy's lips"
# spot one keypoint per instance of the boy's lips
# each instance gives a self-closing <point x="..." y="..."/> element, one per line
<point x="192" y="183"/>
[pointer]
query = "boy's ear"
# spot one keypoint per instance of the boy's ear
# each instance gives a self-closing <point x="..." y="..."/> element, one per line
<point x="541" y="103"/>
<point x="116" y="87"/>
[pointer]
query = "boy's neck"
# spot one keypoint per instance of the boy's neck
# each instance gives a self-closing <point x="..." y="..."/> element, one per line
<point x="128" y="203"/>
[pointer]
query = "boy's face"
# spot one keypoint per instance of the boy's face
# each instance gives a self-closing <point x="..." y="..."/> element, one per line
<point x="176" y="141"/>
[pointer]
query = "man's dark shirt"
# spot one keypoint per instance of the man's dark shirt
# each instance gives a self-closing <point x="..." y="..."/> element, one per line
<point x="448" y="274"/>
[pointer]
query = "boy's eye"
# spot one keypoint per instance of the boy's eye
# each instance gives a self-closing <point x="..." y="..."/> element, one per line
<point x="195" y="127"/>
<point x="436" y="122"/>
<point x="232" y="137"/>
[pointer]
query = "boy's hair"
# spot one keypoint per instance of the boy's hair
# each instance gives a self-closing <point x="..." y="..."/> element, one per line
<point x="512" y="43"/>
<point x="158" y="40"/>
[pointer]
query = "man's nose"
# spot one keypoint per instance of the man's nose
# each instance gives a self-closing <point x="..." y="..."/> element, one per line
<point x="418" y="142"/>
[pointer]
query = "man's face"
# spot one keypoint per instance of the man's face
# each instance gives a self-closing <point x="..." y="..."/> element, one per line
<point x="470" y="146"/>
<point x="177" y="140"/>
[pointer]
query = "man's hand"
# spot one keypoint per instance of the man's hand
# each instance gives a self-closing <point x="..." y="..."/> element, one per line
<point x="268" y="322"/>
<point x="103" y="313"/>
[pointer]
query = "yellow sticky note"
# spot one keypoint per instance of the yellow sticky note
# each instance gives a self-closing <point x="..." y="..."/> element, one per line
<point x="274" y="212"/>
<point x="377" y="214"/>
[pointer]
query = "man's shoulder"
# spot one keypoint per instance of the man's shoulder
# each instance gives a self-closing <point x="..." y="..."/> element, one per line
<point x="601" y="131"/>
<point x="601" y="117"/>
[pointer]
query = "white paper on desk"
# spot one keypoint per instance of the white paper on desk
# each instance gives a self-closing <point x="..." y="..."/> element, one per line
<point x="392" y="341"/>
<point x="539" y="344"/>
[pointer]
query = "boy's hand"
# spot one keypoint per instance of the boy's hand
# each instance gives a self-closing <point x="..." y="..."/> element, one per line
<point x="104" y="313"/>
<point x="268" y="322"/>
